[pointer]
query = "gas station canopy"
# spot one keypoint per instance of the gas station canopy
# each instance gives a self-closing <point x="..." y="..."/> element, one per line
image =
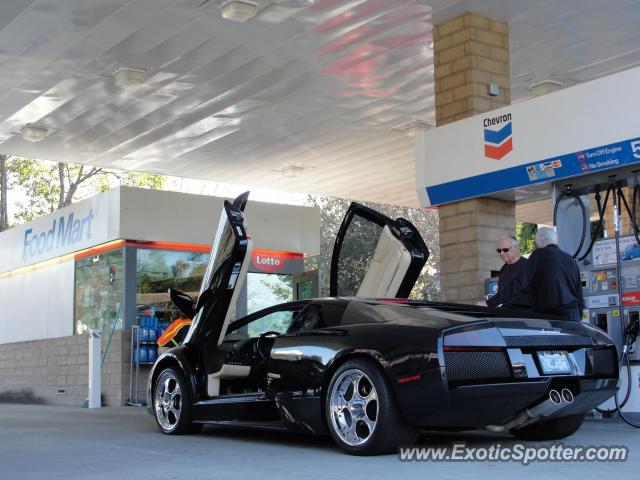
<point x="313" y="96"/>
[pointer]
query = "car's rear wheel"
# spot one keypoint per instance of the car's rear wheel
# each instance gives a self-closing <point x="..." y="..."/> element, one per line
<point x="361" y="413"/>
<point x="553" y="429"/>
<point x="172" y="403"/>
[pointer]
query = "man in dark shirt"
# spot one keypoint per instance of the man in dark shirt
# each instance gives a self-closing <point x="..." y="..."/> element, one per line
<point x="552" y="277"/>
<point x="514" y="263"/>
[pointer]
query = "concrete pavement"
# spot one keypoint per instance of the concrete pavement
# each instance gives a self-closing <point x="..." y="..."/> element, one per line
<point x="52" y="442"/>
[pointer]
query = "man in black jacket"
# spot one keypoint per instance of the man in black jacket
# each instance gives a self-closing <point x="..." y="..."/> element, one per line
<point x="552" y="277"/>
<point x="514" y="263"/>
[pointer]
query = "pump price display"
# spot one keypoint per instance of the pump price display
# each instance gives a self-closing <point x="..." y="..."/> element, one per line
<point x="554" y="363"/>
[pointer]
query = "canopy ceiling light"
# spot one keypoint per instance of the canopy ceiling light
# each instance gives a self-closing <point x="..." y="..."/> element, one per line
<point x="291" y="170"/>
<point x="411" y="127"/>
<point x="544" y="87"/>
<point x="35" y="133"/>
<point x="127" y="76"/>
<point x="238" y="10"/>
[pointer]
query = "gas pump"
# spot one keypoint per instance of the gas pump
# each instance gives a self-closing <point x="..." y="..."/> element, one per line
<point x="584" y="168"/>
<point x="609" y="266"/>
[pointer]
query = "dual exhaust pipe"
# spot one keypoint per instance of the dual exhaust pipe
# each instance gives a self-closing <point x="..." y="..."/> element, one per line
<point x="564" y="396"/>
<point x="556" y="401"/>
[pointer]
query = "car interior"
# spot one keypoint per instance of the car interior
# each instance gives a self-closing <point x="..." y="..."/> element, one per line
<point x="247" y="348"/>
<point x="237" y="362"/>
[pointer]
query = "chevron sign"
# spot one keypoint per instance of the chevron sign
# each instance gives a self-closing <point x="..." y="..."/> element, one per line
<point x="497" y="136"/>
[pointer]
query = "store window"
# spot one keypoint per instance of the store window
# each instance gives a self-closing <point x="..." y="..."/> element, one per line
<point x="99" y="289"/>
<point x="157" y="270"/>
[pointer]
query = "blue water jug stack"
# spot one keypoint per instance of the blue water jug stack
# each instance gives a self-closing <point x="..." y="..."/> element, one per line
<point x="152" y="354"/>
<point x="149" y="333"/>
<point x="143" y="354"/>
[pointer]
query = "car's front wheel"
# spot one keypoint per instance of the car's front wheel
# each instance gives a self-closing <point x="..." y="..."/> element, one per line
<point x="553" y="429"/>
<point x="361" y="413"/>
<point x="172" y="403"/>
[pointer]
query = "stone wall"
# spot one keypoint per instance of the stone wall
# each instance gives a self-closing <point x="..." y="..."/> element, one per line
<point x="469" y="233"/>
<point x="470" y="53"/>
<point x="55" y="371"/>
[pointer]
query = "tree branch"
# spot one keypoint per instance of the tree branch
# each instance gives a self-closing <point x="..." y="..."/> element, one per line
<point x="4" y="207"/>
<point x="73" y="187"/>
<point x="61" y="198"/>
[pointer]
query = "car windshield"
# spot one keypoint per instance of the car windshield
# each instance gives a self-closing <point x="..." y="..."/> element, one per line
<point x="278" y="321"/>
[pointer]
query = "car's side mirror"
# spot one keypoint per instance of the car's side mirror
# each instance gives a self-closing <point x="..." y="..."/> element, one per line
<point x="183" y="301"/>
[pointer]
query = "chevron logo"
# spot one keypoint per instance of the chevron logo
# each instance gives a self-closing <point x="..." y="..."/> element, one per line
<point x="497" y="143"/>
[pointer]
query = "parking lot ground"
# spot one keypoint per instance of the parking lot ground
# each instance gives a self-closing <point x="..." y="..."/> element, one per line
<point x="50" y="442"/>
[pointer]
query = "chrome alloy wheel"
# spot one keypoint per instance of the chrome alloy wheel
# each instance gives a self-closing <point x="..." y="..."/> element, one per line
<point x="353" y="406"/>
<point x="168" y="401"/>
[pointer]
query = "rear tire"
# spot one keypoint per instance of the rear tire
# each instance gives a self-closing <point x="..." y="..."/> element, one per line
<point x="172" y="403"/>
<point x="361" y="413"/>
<point x="553" y="429"/>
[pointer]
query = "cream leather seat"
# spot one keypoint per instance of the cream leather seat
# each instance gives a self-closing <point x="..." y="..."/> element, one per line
<point x="387" y="268"/>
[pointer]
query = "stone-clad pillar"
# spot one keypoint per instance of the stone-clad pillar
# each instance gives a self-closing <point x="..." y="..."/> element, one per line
<point x="469" y="232"/>
<point x="471" y="52"/>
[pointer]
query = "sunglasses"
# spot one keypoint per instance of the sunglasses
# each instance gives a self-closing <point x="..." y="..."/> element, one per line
<point x="503" y="250"/>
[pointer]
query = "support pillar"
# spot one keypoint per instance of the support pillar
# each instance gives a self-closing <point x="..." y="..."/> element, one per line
<point x="471" y="52"/>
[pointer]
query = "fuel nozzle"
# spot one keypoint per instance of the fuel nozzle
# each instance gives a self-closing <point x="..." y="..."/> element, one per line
<point x="631" y="332"/>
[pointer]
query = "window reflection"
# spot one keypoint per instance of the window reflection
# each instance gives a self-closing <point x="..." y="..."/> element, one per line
<point x="99" y="287"/>
<point x="100" y="282"/>
<point x="158" y="270"/>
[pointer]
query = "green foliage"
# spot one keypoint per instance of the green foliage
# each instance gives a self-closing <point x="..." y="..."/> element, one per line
<point x="282" y="289"/>
<point x="112" y="179"/>
<point x="264" y="290"/>
<point x="37" y="180"/>
<point x="526" y="235"/>
<point x="46" y="186"/>
<point x="332" y="211"/>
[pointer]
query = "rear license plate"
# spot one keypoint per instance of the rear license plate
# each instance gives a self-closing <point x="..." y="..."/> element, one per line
<point x="554" y="362"/>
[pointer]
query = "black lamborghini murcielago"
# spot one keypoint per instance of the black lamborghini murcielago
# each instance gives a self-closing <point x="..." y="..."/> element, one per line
<point x="367" y="366"/>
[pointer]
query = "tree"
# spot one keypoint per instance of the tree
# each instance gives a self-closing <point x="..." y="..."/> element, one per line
<point x="281" y="287"/>
<point x="4" y="209"/>
<point x="332" y="210"/>
<point x="50" y="186"/>
<point x="526" y="235"/>
<point x="74" y="178"/>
